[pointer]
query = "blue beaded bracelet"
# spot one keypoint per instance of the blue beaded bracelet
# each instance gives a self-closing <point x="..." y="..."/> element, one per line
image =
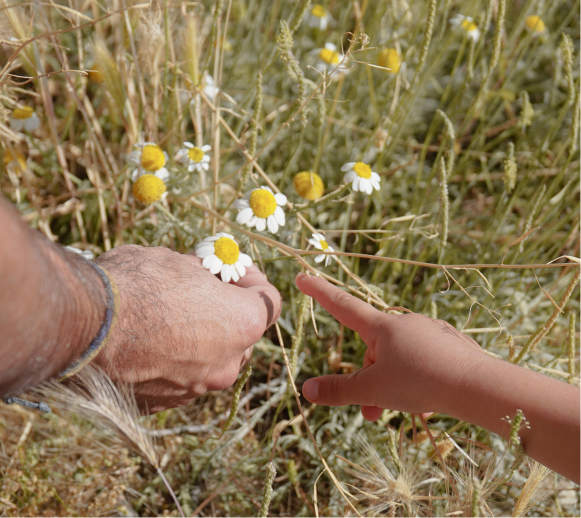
<point x="111" y="316"/>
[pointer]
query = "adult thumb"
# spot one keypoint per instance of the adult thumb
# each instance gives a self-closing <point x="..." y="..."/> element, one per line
<point x="342" y="389"/>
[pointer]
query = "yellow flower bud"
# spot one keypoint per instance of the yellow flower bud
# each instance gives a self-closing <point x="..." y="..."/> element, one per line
<point x="535" y="23"/>
<point x="389" y="58"/>
<point x="148" y="189"/>
<point x="309" y="185"/>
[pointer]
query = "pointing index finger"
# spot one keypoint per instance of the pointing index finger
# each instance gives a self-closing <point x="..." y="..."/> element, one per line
<point x="347" y="309"/>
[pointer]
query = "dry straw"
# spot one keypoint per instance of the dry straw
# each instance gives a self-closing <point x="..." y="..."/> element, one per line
<point x="532" y="491"/>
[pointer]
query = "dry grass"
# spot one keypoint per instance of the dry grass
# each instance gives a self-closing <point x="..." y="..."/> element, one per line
<point x="480" y="112"/>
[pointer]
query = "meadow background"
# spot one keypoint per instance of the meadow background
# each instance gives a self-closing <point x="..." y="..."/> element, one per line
<point x="476" y="143"/>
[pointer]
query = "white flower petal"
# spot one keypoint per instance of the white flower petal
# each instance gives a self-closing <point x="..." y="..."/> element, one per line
<point x="331" y="249"/>
<point x="216" y="266"/>
<point x="279" y="216"/>
<point x="375" y="176"/>
<point x="315" y="243"/>
<point x="16" y="124"/>
<point x="330" y="46"/>
<point x="202" y="253"/>
<point x="280" y="199"/>
<point x="226" y="273"/>
<point x="323" y="23"/>
<point x="209" y="261"/>
<point x="348" y="166"/>
<point x="272" y="224"/>
<point x="206" y="148"/>
<point x="328" y="260"/>
<point x="244" y="216"/>
<point x="162" y="174"/>
<point x="319" y="258"/>
<point x="245" y="260"/>
<point x="266" y="188"/>
<point x="252" y="221"/>
<point x="349" y="177"/>
<point x="134" y="174"/>
<point x="318" y="236"/>
<point x="260" y="224"/>
<point x="241" y="204"/>
<point x="234" y="273"/>
<point x="355" y="184"/>
<point x="189" y="145"/>
<point x="240" y="268"/>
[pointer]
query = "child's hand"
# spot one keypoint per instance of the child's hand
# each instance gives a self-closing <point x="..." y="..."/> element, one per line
<point x="411" y="364"/>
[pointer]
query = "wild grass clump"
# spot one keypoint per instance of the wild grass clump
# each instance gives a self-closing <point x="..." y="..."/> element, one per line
<point x="473" y="132"/>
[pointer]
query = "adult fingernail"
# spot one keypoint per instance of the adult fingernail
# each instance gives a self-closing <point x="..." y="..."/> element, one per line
<point x="301" y="276"/>
<point x="311" y="390"/>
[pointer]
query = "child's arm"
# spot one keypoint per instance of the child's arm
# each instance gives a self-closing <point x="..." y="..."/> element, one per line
<point x="417" y="364"/>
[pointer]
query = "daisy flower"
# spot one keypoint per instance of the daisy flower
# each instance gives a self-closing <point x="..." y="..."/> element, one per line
<point x="14" y="163"/>
<point x="468" y="24"/>
<point x="328" y="57"/>
<point x="389" y="58"/>
<point x="535" y="24"/>
<point x="309" y="185"/>
<point x="318" y="241"/>
<point x="194" y="157"/>
<point x="24" y="118"/>
<point x="148" y="189"/>
<point x="221" y="254"/>
<point x="317" y="17"/>
<point x="260" y="208"/>
<point x="361" y="177"/>
<point x="152" y="160"/>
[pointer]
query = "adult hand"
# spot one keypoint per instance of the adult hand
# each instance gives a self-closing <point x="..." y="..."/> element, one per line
<point x="181" y="331"/>
<point x="409" y="363"/>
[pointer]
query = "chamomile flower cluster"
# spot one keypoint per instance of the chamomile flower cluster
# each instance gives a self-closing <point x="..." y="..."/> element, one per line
<point x="361" y="177"/>
<point x="148" y="158"/>
<point x="261" y="208"/>
<point x="195" y="158"/>
<point x="150" y="174"/>
<point x="221" y="255"/>
<point x="319" y="242"/>
<point x="317" y="17"/>
<point x="468" y="24"/>
<point x="329" y="58"/>
<point x="24" y="118"/>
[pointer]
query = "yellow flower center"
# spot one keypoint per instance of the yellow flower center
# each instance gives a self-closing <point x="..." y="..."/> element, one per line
<point x="23" y="113"/>
<point x="309" y="185"/>
<point x="152" y="158"/>
<point x="535" y="23"/>
<point x="329" y="56"/>
<point x="148" y="189"/>
<point x="469" y="26"/>
<point x="9" y="158"/>
<point x="226" y="250"/>
<point x="324" y="244"/>
<point x="262" y="203"/>
<point x="362" y="170"/>
<point x="195" y="154"/>
<point x="96" y="76"/>
<point x="318" y="10"/>
<point x="389" y="58"/>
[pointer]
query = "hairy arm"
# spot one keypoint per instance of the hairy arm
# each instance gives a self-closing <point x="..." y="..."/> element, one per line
<point x="51" y="305"/>
<point x="181" y="331"/>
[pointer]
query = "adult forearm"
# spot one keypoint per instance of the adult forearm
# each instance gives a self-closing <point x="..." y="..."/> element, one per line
<point x="52" y="304"/>
<point x="495" y="389"/>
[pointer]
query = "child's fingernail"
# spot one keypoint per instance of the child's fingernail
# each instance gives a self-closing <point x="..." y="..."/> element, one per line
<point x="311" y="390"/>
